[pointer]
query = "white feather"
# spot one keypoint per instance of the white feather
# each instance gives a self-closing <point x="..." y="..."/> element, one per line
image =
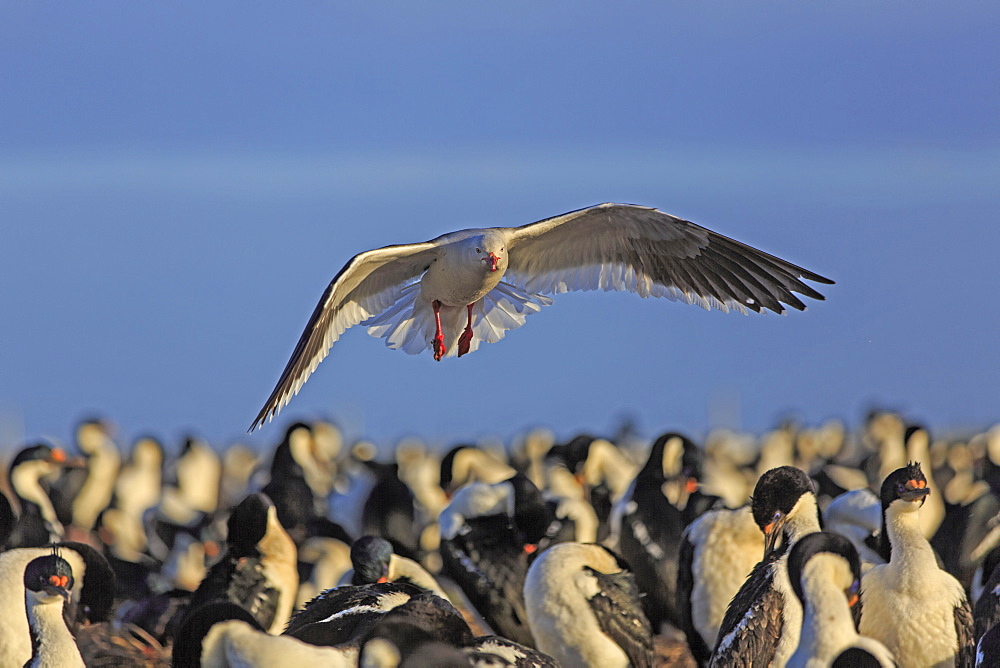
<point x="408" y="324"/>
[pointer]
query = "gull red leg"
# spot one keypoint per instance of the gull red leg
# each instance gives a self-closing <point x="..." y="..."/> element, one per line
<point x="438" y="334"/>
<point x="466" y="338"/>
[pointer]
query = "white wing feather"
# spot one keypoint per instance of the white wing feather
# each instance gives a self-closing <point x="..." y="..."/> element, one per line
<point x="369" y="283"/>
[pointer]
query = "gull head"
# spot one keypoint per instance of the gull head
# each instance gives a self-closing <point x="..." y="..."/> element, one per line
<point x="490" y="248"/>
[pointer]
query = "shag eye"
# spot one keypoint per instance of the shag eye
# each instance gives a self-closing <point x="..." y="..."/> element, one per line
<point x="900" y="488"/>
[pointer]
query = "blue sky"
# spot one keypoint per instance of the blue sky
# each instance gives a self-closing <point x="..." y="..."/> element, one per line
<point x="179" y="182"/>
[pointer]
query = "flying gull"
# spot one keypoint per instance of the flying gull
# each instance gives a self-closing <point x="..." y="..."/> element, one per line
<point x="462" y="288"/>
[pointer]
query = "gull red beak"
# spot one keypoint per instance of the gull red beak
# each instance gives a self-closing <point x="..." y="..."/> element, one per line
<point x="494" y="261"/>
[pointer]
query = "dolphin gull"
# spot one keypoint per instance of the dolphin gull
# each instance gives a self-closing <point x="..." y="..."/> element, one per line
<point x="452" y="292"/>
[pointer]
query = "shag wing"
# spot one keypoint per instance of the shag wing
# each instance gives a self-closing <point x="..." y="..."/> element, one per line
<point x="965" y="632"/>
<point x="632" y="248"/>
<point x="367" y="285"/>
<point x="685" y="589"/>
<point x="334" y="615"/>
<point x="618" y="609"/>
<point x="751" y="628"/>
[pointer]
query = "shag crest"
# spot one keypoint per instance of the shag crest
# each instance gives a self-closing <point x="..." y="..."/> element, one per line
<point x="897" y="483"/>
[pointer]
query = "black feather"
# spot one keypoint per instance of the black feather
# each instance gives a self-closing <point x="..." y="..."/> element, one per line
<point x="987" y="610"/>
<point x="619" y="613"/>
<point x="344" y="614"/>
<point x="755" y="642"/>
<point x="965" y="631"/>
<point x="488" y="564"/>
<point x="685" y="586"/>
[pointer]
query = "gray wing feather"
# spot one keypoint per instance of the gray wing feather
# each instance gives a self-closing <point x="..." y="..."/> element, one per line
<point x="643" y="250"/>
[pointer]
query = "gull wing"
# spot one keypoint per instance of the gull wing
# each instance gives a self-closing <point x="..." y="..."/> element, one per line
<point x="643" y="250"/>
<point x="367" y="285"/>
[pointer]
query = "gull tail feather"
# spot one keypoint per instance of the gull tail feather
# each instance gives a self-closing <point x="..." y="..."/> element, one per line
<point x="504" y="308"/>
<point x="408" y="324"/>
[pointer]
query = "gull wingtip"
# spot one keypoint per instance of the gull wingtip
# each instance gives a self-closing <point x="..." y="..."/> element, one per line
<point x="817" y="278"/>
<point x="261" y="418"/>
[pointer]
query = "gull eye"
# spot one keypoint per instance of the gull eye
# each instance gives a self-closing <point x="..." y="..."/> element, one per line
<point x="479" y="250"/>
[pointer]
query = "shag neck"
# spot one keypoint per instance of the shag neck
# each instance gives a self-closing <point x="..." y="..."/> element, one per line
<point x="803" y="519"/>
<point x="827" y="625"/>
<point x="27" y="486"/>
<point x="908" y="548"/>
<point x="51" y="642"/>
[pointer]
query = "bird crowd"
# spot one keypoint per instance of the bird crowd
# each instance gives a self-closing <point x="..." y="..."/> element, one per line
<point x="805" y="546"/>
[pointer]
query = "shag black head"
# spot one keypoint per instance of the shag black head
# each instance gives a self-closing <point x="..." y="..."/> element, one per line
<point x="247" y="524"/>
<point x="774" y="497"/>
<point x="905" y="490"/>
<point x="370" y="557"/>
<point x="532" y="516"/>
<point x="692" y="461"/>
<point x="856" y="657"/>
<point x="819" y="543"/>
<point x="294" y="427"/>
<point x="574" y="453"/>
<point x="446" y="481"/>
<point x="49" y="577"/>
<point x="189" y="444"/>
<point x="915" y="430"/>
<point x="659" y="468"/>
<point x="283" y="463"/>
<point x="906" y="484"/>
<point x="39" y="452"/>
